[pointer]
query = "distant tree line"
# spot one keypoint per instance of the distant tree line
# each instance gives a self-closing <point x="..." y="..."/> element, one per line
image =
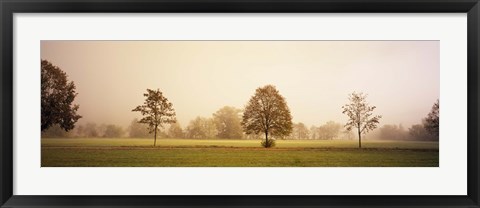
<point x="428" y="130"/>
<point x="416" y="132"/>
<point x="224" y="124"/>
<point x="88" y="130"/>
<point x="328" y="131"/>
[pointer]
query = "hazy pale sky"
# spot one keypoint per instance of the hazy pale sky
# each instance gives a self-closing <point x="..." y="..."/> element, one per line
<point x="401" y="78"/>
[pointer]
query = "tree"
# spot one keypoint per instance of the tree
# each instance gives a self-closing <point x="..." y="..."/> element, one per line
<point x="360" y="116"/>
<point x="101" y="129"/>
<point x="300" y="131"/>
<point x="175" y="131"/>
<point x="157" y="110"/>
<point x="432" y="121"/>
<point x="393" y="132"/>
<point x="267" y="112"/>
<point x="79" y="131"/>
<point x="138" y="130"/>
<point x="112" y="131"/>
<point x="57" y="96"/>
<point x="313" y="132"/>
<point x="201" y="128"/>
<point x="418" y="132"/>
<point x="91" y="130"/>
<point x="227" y="121"/>
<point x="329" y="130"/>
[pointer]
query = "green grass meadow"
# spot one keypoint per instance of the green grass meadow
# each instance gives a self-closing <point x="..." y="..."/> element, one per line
<point x="128" y="152"/>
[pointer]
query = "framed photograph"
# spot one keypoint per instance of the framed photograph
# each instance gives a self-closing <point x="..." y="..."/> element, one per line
<point x="265" y="103"/>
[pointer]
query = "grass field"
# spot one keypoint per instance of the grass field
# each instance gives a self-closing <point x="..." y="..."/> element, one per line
<point x="121" y="152"/>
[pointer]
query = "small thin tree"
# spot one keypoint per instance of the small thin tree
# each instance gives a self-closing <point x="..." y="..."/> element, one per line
<point x="360" y="115"/>
<point x="156" y="111"/>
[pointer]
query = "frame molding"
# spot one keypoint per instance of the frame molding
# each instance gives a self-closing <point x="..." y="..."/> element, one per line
<point x="9" y="7"/>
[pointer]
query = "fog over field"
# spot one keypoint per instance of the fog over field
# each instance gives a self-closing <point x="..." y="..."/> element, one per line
<point x="401" y="78"/>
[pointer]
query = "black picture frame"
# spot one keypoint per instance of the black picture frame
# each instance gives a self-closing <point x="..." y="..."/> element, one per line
<point x="9" y="7"/>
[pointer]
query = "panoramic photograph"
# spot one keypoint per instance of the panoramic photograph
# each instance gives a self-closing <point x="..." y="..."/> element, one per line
<point x="240" y="103"/>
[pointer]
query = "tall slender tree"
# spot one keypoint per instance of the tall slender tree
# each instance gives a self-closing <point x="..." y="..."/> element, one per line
<point x="360" y="115"/>
<point x="157" y="110"/>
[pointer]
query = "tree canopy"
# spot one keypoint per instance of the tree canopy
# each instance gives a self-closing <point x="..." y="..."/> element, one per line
<point x="57" y="96"/>
<point x="267" y="112"/>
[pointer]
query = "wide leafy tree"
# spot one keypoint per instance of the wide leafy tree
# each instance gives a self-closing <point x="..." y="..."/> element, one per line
<point x="267" y="112"/>
<point x="360" y="115"/>
<point x="156" y="111"/>
<point x="57" y="96"/>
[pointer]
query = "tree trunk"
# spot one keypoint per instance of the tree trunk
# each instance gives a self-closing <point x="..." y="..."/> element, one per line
<point x="155" y="137"/>
<point x="359" y="138"/>
<point x="266" y="139"/>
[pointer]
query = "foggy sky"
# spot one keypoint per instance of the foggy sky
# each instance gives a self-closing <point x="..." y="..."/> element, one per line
<point x="401" y="78"/>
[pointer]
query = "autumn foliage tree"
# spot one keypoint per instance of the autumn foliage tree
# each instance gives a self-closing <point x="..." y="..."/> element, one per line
<point x="267" y="112"/>
<point x="360" y="115"/>
<point x="157" y="110"/>
<point x="57" y="96"/>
